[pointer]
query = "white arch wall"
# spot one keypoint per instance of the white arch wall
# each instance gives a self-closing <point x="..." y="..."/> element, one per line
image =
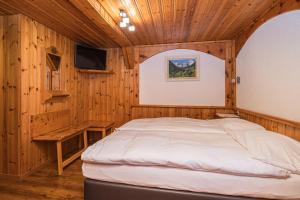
<point x="209" y="90"/>
<point x="269" y="67"/>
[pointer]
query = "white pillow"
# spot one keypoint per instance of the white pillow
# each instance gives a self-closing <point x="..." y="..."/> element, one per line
<point x="271" y="148"/>
<point x="238" y="124"/>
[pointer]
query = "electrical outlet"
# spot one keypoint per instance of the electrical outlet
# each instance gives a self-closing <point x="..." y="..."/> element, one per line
<point x="238" y="80"/>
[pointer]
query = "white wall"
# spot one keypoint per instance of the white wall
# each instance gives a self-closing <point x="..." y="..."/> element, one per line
<point x="209" y="90"/>
<point x="269" y="67"/>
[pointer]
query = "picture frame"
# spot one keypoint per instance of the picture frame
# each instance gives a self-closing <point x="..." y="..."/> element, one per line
<point x="182" y="68"/>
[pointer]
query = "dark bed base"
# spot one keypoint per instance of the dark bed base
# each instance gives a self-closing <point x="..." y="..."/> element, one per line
<point x="99" y="190"/>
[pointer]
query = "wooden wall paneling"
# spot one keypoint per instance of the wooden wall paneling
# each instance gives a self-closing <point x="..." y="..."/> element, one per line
<point x="97" y="13"/>
<point x="50" y="13"/>
<point x="27" y="41"/>
<point x="135" y="76"/>
<point x="215" y="48"/>
<point x="230" y="71"/>
<point x="285" y="127"/>
<point x="2" y="106"/>
<point x="12" y="66"/>
<point x="197" y="112"/>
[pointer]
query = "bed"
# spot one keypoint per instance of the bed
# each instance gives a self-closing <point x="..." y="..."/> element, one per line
<point x="182" y="158"/>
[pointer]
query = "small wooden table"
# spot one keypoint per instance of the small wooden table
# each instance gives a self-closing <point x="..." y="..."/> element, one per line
<point x="101" y="126"/>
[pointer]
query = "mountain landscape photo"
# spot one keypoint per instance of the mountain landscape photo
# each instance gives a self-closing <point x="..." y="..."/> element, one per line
<point x="182" y="68"/>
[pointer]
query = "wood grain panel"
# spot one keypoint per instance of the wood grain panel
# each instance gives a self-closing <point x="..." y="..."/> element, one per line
<point x="2" y="130"/>
<point x="197" y="112"/>
<point x="215" y="48"/>
<point x="35" y="38"/>
<point x="169" y="21"/>
<point x="285" y="127"/>
<point x="49" y="122"/>
<point x="12" y="71"/>
<point x="24" y="45"/>
<point x="95" y="22"/>
<point x="63" y="17"/>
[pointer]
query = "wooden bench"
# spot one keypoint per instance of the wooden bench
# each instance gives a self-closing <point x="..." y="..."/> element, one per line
<point x="56" y="127"/>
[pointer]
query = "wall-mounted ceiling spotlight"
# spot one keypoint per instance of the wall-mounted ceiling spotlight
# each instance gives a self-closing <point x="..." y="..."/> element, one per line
<point x="123" y="24"/>
<point x="125" y="20"/>
<point x="131" y="27"/>
<point x="123" y="13"/>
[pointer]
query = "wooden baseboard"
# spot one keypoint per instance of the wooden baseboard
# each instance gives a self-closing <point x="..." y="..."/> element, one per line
<point x="276" y="124"/>
<point x="49" y="162"/>
<point x="9" y="177"/>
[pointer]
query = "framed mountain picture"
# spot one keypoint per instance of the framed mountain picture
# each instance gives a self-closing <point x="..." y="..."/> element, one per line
<point x="182" y="68"/>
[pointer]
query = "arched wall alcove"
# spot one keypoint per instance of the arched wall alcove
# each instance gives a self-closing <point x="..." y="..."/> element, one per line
<point x="221" y="50"/>
<point x="208" y="90"/>
<point x="268" y="65"/>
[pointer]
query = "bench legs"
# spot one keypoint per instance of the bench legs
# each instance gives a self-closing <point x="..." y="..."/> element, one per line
<point x="104" y="133"/>
<point x="60" y="163"/>
<point x="59" y="157"/>
<point x="85" y="141"/>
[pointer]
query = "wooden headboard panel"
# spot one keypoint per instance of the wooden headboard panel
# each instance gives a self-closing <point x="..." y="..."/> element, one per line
<point x="285" y="127"/>
<point x="197" y="112"/>
<point x="48" y="122"/>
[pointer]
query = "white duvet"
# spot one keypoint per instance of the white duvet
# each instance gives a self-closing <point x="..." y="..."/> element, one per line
<point x="201" y="145"/>
<point x="173" y="124"/>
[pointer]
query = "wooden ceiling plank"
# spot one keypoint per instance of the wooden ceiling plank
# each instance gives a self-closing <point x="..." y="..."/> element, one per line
<point x="168" y="20"/>
<point x="95" y="22"/>
<point x="192" y="5"/>
<point x="157" y="23"/>
<point x="85" y="23"/>
<point x="217" y="17"/>
<point x="231" y="15"/>
<point x="142" y="9"/>
<point x="7" y="9"/>
<point x="139" y="35"/>
<point x="71" y="21"/>
<point x="97" y="13"/>
<point x="26" y="9"/>
<point x="234" y="18"/>
<point x="258" y="8"/>
<point x="212" y="6"/>
<point x="181" y="9"/>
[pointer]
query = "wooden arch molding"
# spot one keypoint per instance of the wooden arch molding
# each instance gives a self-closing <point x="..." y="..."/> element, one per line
<point x="217" y="49"/>
<point x="281" y="6"/>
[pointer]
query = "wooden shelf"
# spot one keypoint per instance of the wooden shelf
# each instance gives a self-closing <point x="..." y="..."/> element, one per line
<point x="51" y="95"/>
<point x="59" y="94"/>
<point x="92" y="71"/>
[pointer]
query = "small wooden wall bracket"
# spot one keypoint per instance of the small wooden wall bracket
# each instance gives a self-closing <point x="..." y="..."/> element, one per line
<point x="128" y="54"/>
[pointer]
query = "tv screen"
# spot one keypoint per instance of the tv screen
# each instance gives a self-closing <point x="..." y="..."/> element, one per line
<point x="90" y="58"/>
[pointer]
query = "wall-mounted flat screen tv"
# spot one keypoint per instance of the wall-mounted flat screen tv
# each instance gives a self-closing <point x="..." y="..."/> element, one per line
<point x="90" y="58"/>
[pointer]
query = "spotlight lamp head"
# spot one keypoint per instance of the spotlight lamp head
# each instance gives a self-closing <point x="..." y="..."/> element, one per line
<point x="126" y="20"/>
<point x="123" y="24"/>
<point x="131" y="28"/>
<point x="123" y="13"/>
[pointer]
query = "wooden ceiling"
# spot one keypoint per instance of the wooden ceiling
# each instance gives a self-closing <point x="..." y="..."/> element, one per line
<point x="95" y="22"/>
